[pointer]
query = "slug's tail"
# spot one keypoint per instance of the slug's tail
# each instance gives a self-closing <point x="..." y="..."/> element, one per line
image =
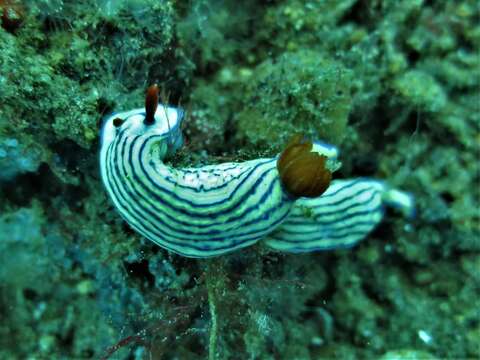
<point x="344" y="215"/>
<point x="400" y="200"/>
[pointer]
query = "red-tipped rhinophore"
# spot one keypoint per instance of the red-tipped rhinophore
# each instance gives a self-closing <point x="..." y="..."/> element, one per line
<point x="151" y="103"/>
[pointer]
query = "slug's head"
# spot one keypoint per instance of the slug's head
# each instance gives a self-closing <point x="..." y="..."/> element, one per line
<point x="153" y="119"/>
<point x="306" y="168"/>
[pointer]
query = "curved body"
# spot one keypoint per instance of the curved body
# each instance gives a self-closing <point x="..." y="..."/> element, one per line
<point x="340" y="218"/>
<point x="195" y="212"/>
<point x="216" y="209"/>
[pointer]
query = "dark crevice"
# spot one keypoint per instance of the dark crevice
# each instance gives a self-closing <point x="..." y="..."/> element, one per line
<point x="54" y="24"/>
<point x="66" y="339"/>
<point x="373" y="293"/>
<point x="139" y="270"/>
<point x="71" y="156"/>
<point x="413" y="56"/>
<point x="365" y="164"/>
<point x="105" y="107"/>
<point x="87" y="353"/>
<point x="229" y="134"/>
<point x="363" y="13"/>
<point x="127" y="229"/>
<point x="384" y="229"/>
<point x="329" y="290"/>
<point x="447" y="197"/>
<point x="30" y="294"/>
<point x="42" y="185"/>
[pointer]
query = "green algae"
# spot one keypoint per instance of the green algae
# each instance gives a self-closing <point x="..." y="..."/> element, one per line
<point x="395" y="84"/>
<point x="303" y="92"/>
<point x="407" y="354"/>
<point x="420" y="90"/>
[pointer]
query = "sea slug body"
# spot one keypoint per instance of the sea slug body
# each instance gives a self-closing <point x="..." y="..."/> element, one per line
<point x="216" y="209"/>
<point x="340" y="218"/>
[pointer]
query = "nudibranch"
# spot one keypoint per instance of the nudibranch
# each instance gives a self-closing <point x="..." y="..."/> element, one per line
<point x="288" y="200"/>
<point x="340" y="218"/>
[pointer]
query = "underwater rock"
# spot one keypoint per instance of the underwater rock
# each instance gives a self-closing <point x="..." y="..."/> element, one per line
<point x="407" y="354"/>
<point x="301" y="92"/>
<point x="17" y="159"/>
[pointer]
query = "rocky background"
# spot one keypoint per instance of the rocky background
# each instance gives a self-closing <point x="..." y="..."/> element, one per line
<point x="394" y="83"/>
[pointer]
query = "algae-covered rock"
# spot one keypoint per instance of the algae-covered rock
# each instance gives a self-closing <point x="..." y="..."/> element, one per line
<point x="208" y="117"/>
<point x="421" y="90"/>
<point x="18" y="158"/>
<point x="292" y="24"/>
<point x="303" y="92"/>
<point x="407" y="354"/>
